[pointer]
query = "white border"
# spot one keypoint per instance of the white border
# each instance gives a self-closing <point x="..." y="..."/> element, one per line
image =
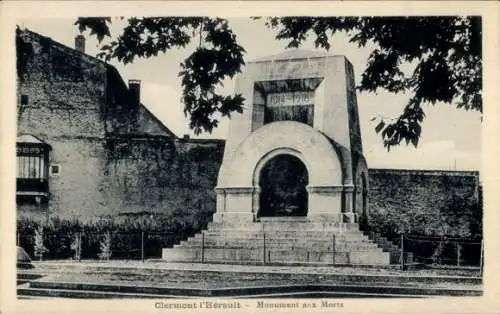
<point x="12" y="10"/>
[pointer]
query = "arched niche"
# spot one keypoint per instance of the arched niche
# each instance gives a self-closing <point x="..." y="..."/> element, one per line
<point x="238" y="189"/>
<point x="283" y="180"/>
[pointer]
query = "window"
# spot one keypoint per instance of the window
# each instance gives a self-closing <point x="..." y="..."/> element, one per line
<point x="24" y="100"/>
<point x="30" y="161"/>
<point x="32" y="166"/>
<point x="55" y="170"/>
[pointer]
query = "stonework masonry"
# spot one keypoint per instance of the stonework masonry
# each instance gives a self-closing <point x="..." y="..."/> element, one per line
<point x="75" y="103"/>
<point x="418" y="189"/>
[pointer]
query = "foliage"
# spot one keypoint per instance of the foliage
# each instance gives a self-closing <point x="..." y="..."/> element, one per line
<point x="432" y="232"/>
<point x="445" y="52"/>
<point x="39" y="246"/>
<point x="76" y="246"/>
<point x="460" y="218"/>
<point x="218" y="56"/>
<point x="61" y="236"/>
<point x="105" y="247"/>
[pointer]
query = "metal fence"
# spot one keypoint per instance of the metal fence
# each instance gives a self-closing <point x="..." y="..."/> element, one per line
<point x="88" y="245"/>
<point x="444" y="251"/>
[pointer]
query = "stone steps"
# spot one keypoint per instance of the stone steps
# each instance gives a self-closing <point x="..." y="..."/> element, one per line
<point x="287" y="226"/>
<point x="277" y="241"/>
<point x="260" y="240"/>
<point x="343" y="288"/>
<point x="207" y="239"/>
<point x="286" y="241"/>
<point x="281" y="238"/>
<point x="278" y="256"/>
<point x="24" y="277"/>
<point x="35" y="293"/>
<point x="288" y="246"/>
<point x="283" y="234"/>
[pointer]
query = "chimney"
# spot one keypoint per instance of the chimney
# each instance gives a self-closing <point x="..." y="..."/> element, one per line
<point x="80" y="43"/>
<point x="134" y="87"/>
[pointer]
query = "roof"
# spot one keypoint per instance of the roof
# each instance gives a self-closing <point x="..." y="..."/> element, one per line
<point x="146" y="112"/>
<point x="115" y="83"/>
<point x="60" y="45"/>
<point x="295" y="54"/>
<point x="29" y="139"/>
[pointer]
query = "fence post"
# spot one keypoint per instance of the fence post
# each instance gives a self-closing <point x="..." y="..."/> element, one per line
<point x="458" y="249"/>
<point x="333" y="249"/>
<point x="481" y="262"/>
<point x="402" y="251"/>
<point x="43" y="244"/>
<point x="18" y="242"/>
<point x="142" y="246"/>
<point x="202" y="247"/>
<point x="79" y="246"/>
<point x="264" y="246"/>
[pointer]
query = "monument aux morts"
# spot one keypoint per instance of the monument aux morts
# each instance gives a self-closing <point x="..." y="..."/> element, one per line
<point x="293" y="182"/>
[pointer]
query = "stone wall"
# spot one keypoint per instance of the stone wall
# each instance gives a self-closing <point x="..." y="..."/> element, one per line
<point x="139" y="175"/>
<point x="60" y="94"/>
<point x="435" y="201"/>
<point x="158" y="175"/>
<point x="418" y="189"/>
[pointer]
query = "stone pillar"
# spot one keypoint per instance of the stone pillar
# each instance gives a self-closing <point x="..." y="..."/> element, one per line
<point x="255" y="202"/>
<point x="324" y="203"/>
<point x="348" y="213"/>
<point x="221" y="205"/>
<point x="233" y="205"/>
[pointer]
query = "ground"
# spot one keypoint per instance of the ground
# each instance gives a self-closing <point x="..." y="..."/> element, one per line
<point x="185" y="275"/>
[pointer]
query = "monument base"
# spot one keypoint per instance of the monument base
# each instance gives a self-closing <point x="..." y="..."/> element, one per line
<point x="280" y="240"/>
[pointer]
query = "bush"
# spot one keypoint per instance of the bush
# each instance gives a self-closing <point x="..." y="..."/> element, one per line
<point x="39" y="247"/>
<point x="105" y="246"/>
<point x="61" y="236"/>
<point x="76" y="246"/>
<point x="461" y="218"/>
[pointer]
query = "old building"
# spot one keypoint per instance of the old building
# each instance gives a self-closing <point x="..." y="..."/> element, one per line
<point x="70" y="106"/>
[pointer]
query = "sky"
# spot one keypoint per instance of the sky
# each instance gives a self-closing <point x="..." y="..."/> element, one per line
<point x="450" y="140"/>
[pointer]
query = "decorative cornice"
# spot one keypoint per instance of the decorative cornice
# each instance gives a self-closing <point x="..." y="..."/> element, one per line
<point x="328" y="189"/>
<point x="349" y="188"/>
<point x="237" y="190"/>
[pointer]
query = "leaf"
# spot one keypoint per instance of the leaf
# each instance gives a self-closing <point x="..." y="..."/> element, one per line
<point x="379" y="126"/>
<point x="445" y="49"/>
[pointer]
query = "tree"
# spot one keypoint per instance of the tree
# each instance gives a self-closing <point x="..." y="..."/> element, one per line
<point x="445" y="51"/>
<point x="39" y="246"/>
<point x="105" y="247"/>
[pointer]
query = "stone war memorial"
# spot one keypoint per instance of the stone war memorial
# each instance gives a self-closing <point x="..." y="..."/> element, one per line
<point x="292" y="187"/>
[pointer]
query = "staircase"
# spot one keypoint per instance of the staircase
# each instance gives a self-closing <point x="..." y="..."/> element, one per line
<point x="280" y="240"/>
<point x="393" y="249"/>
